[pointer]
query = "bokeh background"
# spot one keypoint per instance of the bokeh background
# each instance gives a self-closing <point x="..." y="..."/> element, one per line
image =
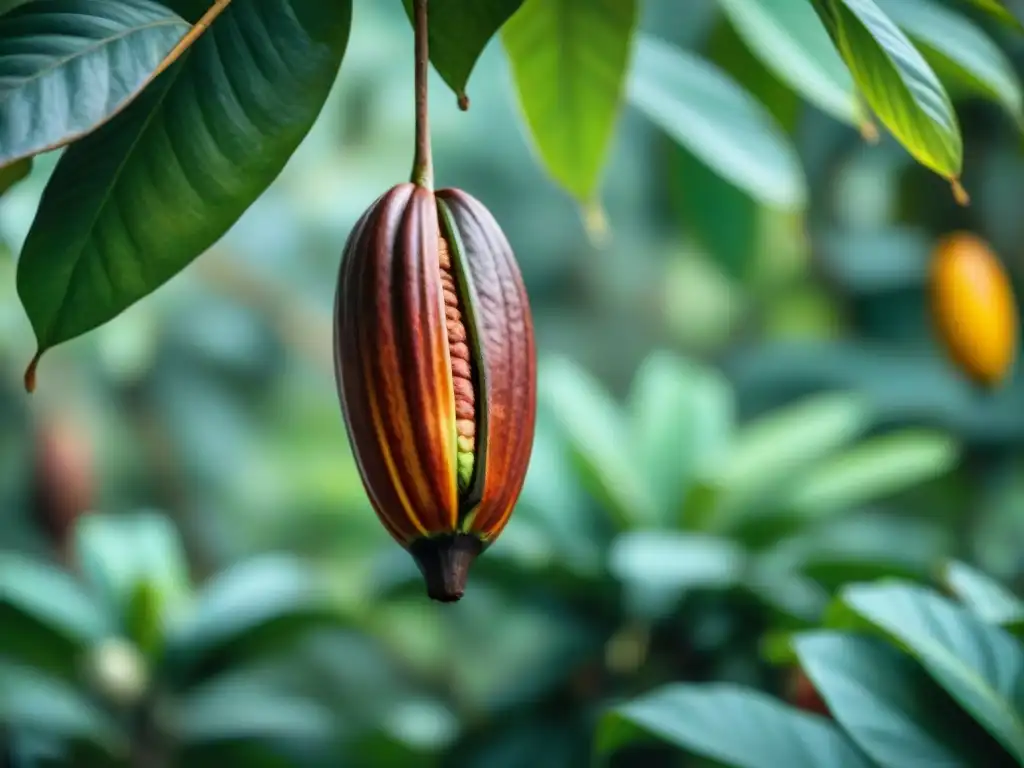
<point x="211" y="405"/>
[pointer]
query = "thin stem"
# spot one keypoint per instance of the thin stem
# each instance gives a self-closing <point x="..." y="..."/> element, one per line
<point x="215" y="10"/>
<point x="423" y="161"/>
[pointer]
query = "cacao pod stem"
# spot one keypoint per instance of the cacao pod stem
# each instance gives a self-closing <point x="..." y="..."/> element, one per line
<point x="423" y="160"/>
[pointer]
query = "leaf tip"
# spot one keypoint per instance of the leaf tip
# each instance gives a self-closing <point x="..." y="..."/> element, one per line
<point x="463" y="100"/>
<point x="959" y="193"/>
<point x="595" y="222"/>
<point x="869" y="132"/>
<point x="30" y="372"/>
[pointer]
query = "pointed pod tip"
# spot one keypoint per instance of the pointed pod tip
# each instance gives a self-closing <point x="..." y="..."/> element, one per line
<point x="444" y="562"/>
<point x="30" y="372"/>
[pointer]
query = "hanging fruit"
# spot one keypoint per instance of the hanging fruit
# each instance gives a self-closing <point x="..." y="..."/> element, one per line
<point x="973" y="308"/>
<point x="435" y="364"/>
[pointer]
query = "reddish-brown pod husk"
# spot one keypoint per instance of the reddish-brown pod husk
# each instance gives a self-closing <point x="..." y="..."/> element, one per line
<point x="803" y="694"/>
<point x="436" y="372"/>
<point x="973" y="308"/>
<point x="62" y="485"/>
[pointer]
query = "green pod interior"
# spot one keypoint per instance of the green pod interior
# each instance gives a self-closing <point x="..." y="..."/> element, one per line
<point x="469" y="499"/>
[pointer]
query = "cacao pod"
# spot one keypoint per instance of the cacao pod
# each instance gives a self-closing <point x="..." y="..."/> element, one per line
<point x="436" y="371"/>
<point x="973" y="308"/>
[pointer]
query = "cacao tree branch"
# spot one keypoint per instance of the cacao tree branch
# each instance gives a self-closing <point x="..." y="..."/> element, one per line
<point x="423" y="161"/>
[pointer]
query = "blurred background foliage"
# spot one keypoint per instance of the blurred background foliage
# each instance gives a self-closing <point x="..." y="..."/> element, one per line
<point x="742" y="410"/>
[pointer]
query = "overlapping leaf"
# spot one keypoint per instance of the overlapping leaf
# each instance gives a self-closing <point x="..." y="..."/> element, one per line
<point x="569" y="62"/>
<point x="133" y="203"/>
<point x="897" y="82"/>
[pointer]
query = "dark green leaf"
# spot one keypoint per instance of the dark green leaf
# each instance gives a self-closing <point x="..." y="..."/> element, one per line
<point x="706" y="112"/>
<point x="980" y="665"/>
<point x="66" y="66"/>
<point x="732" y="726"/>
<point x="569" y="62"/>
<point x="459" y="31"/>
<point x="269" y="601"/>
<point x="983" y="595"/>
<point x="888" y="704"/>
<point x="789" y="38"/>
<point x="898" y="83"/>
<point x="46" y="620"/>
<point x="998" y="10"/>
<point x="133" y="203"/>
<point x="13" y="173"/>
<point x="959" y="48"/>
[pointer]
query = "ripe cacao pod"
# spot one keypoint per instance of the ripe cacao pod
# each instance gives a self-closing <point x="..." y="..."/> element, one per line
<point x="973" y="308"/>
<point x="436" y="372"/>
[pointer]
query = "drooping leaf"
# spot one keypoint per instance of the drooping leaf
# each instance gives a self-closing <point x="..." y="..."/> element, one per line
<point x="594" y="428"/>
<point x="889" y="706"/>
<point x="134" y="202"/>
<point x="706" y="112"/>
<point x="569" y="62"/>
<point x="960" y="49"/>
<point x="46" y="620"/>
<point x="791" y="41"/>
<point x="682" y="421"/>
<point x="979" y="664"/>
<point x="66" y="66"/>
<point x="271" y="600"/>
<point x="998" y="9"/>
<point x="730" y="725"/>
<point x="983" y="595"/>
<point x="459" y="31"/>
<point x="897" y="82"/>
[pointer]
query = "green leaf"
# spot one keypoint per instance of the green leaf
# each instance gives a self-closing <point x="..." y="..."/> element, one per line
<point x="875" y="469"/>
<point x="682" y="421"/>
<point x="133" y="558"/>
<point x="35" y="702"/>
<point x="898" y="84"/>
<point x="46" y="620"/>
<point x="729" y="725"/>
<point x="955" y="45"/>
<point x="569" y="61"/>
<point x="593" y="426"/>
<point x="998" y="10"/>
<point x="133" y="203"/>
<point x="980" y="665"/>
<point x="245" y="708"/>
<point x="983" y="595"/>
<point x="791" y="41"/>
<point x="264" y="603"/>
<point x="13" y="173"/>
<point x="708" y="113"/>
<point x="889" y="706"/>
<point x="459" y="32"/>
<point x="66" y="66"/>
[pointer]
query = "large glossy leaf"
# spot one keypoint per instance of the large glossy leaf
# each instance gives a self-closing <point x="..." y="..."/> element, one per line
<point x="269" y="601"/>
<point x="706" y="112"/>
<point x="732" y="726"/>
<point x="897" y="82"/>
<point x="682" y="421"/>
<point x="985" y="596"/>
<point x="459" y="31"/>
<point x="877" y="468"/>
<point x="46" y="620"/>
<point x="569" y="61"/>
<point x="68" y="65"/>
<point x="598" y="437"/>
<point x="960" y="50"/>
<point x="134" y="202"/>
<point x="790" y="39"/>
<point x="979" y="664"/>
<point x="889" y="706"/>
